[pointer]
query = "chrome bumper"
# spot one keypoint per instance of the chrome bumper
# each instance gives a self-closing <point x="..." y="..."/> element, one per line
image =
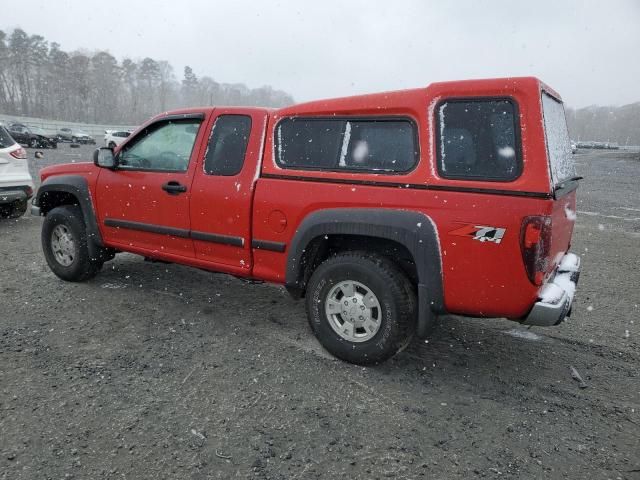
<point x="556" y="296"/>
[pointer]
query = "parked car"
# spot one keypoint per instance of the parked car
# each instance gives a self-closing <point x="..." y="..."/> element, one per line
<point x="33" y="137"/>
<point x="16" y="184"/>
<point x="66" y="134"/>
<point x="383" y="211"/>
<point x="113" y="138"/>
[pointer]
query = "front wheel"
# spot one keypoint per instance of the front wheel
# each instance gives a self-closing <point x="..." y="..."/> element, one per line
<point x="64" y="242"/>
<point x="361" y="307"/>
<point x="33" y="143"/>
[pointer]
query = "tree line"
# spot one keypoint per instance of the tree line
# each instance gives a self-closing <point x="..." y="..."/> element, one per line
<point x="619" y="125"/>
<point x="39" y="79"/>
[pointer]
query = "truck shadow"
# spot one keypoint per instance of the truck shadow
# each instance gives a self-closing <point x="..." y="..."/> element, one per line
<point x="470" y="351"/>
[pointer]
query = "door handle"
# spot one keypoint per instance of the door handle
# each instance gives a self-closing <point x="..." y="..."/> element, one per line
<point x="174" y="188"/>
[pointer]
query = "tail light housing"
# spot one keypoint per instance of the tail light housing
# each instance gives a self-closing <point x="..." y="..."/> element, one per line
<point x="535" y="242"/>
<point x="20" y="154"/>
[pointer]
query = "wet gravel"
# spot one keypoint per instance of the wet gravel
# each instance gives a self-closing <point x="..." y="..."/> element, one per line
<point x="161" y="371"/>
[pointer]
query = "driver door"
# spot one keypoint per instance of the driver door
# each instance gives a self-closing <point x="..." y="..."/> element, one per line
<point x="143" y="204"/>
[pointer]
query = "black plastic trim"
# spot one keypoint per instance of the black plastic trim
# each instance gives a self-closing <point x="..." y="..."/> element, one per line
<point x="413" y="230"/>
<point x="417" y="186"/>
<point x="217" y="238"/>
<point x="175" y="232"/>
<point x="146" y="227"/>
<point x="269" y="245"/>
<point x="566" y="187"/>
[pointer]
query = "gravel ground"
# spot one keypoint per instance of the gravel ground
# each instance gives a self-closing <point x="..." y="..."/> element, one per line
<point x="161" y="371"/>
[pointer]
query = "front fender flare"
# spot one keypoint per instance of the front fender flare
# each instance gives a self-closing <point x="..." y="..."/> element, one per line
<point x="77" y="186"/>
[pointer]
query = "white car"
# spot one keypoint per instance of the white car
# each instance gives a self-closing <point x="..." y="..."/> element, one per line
<point x="113" y="138"/>
<point x="16" y="184"/>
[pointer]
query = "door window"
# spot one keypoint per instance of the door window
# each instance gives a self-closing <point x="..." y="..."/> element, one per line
<point x="162" y="147"/>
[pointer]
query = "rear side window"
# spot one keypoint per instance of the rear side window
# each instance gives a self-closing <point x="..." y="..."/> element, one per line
<point x="558" y="143"/>
<point x="227" y="145"/>
<point x="5" y="139"/>
<point x="478" y="140"/>
<point x="376" y="145"/>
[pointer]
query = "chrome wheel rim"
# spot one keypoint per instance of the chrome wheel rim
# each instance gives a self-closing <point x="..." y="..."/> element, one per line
<point x="353" y="311"/>
<point x="63" y="245"/>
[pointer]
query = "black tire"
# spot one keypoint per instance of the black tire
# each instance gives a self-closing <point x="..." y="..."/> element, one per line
<point x="396" y="296"/>
<point x="112" y="145"/>
<point x="82" y="267"/>
<point x="33" y="143"/>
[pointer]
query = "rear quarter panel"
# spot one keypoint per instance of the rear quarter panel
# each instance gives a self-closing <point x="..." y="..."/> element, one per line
<point x="480" y="278"/>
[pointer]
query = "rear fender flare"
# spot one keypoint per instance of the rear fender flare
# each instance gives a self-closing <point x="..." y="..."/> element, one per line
<point x="414" y="230"/>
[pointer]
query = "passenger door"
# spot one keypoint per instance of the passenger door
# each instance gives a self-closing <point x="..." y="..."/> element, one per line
<point x="143" y="205"/>
<point x="223" y="188"/>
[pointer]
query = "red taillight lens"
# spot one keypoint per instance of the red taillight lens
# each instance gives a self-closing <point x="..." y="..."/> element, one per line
<point x="535" y="241"/>
<point x="20" y="154"/>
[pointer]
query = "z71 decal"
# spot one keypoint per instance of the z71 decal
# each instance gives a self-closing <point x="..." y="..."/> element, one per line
<point x="481" y="233"/>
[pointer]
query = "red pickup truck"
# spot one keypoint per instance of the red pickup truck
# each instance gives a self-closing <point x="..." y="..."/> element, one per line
<point x="384" y="211"/>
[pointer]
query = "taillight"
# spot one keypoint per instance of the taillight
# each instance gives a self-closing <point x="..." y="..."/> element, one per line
<point x="535" y="241"/>
<point x="20" y="154"/>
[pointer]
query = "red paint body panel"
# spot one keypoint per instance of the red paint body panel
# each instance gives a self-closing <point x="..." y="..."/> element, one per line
<point x="223" y="204"/>
<point x="479" y="278"/>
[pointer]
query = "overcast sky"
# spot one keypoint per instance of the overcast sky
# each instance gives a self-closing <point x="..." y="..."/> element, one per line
<point x="589" y="51"/>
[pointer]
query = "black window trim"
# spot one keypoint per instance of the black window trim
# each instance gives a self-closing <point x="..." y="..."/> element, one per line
<point x="355" y="118"/>
<point x="246" y="149"/>
<point x="166" y="119"/>
<point x="518" y="140"/>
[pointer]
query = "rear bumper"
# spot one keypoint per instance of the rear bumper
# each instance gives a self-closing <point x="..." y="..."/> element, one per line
<point x="15" y="194"/>
<point x="556" y="296"/>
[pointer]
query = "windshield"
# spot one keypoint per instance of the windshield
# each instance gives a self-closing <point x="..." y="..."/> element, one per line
<point x="37" y="130"/>
<point x="558" y="144"/>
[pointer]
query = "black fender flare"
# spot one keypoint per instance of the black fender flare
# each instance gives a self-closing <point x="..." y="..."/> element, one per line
<point x="77" y="186"/>
<point x="414" y="230"/>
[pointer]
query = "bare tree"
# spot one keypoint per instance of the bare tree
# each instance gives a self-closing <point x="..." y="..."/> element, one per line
<point x="41" y="79"/>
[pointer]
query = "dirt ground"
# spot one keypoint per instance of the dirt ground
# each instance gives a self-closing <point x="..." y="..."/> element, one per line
<point x="161" y="371"/>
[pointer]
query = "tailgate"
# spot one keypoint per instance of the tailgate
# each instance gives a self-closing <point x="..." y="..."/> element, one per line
<point x="563" y="218"/>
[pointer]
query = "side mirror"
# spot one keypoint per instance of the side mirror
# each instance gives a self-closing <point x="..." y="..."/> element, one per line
<point x="104" y="157"/>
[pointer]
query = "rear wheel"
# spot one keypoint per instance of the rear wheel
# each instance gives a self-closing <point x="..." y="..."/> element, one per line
<point x="112" y="145"/>
<point x="33" y="143"/>
<point x="361" y="307"/>
<point x="64" y="242"/>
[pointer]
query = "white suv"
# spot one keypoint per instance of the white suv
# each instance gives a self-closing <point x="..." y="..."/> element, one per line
<point x="16" y="184"/>
<point x="113" y="138"/>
